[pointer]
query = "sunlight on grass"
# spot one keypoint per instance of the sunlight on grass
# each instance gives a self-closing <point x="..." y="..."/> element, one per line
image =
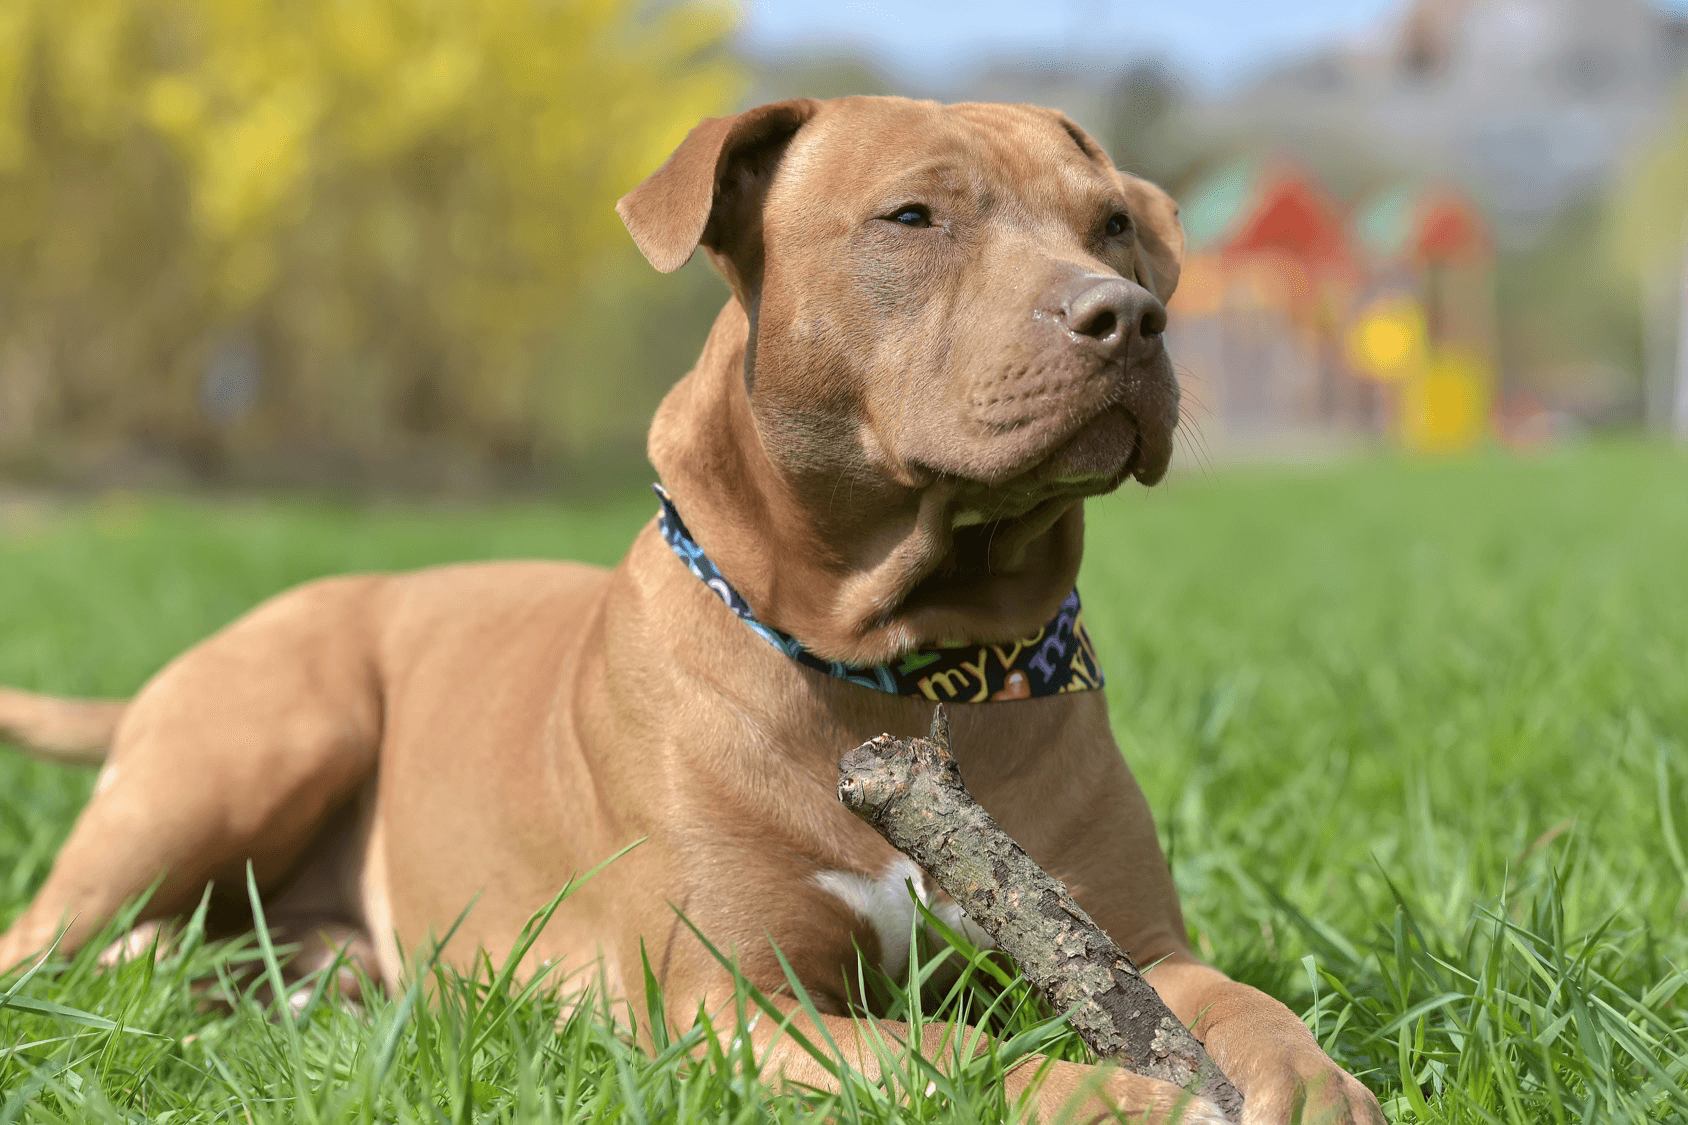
<point x="1415" y="735"/>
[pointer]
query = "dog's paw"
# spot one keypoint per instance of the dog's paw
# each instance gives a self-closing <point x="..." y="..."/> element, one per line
<point x="1323" y="1095"/>
<point x="1073" y="1094"/>
<point x="153" y="937"/>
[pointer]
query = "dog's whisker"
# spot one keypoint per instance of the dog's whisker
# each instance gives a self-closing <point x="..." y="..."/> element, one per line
<point x="1195" y="440"/>
<point x="1192" y="444"/>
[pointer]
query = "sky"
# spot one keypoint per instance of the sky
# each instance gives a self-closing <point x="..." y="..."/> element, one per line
<point x="1207" y="40"/>
<point x="1212" y="43"/>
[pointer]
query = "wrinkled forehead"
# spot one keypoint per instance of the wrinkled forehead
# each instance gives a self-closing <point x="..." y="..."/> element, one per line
<point x="871" y="152"/>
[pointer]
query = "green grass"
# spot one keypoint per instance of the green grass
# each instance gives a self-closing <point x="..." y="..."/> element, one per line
<point x="1416" y="735"/>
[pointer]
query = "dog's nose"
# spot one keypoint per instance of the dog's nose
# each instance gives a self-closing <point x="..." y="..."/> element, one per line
<point x="1112" y="313"/>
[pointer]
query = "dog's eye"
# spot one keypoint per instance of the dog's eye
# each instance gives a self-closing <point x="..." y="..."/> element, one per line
<point x="1118" y="223"/>
<point x="911" y="215"/>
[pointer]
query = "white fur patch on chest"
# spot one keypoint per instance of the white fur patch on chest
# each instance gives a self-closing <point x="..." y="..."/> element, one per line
<point x="884" y="903"/>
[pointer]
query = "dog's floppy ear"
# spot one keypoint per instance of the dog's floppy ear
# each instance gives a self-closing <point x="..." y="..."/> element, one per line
<point x="669" y="214"/>
<point x="1160" y="236"/>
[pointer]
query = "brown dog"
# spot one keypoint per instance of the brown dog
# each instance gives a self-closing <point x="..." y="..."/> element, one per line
<point x="945" y="334"/>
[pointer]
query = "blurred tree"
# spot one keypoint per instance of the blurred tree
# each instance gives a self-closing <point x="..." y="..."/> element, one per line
<point x="1568" y="332"/>
<point x="1146" y="131"/>
<point x="348" y="226"/>
<point x="1648" y="228"/>
<point x="1138" y="103"/>
<point x="817" y="76"/>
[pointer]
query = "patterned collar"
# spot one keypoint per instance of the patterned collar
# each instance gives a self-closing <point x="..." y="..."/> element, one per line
<point x="1057" y="658"/>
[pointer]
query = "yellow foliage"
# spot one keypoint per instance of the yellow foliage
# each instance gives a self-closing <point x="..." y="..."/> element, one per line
<point x="1649" y="211"/>
<point x="396" y="200"/>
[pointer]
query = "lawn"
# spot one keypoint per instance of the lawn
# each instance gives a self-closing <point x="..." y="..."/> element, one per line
<point x="1416" y="735"/>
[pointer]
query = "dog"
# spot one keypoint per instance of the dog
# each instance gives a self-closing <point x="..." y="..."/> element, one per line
<point x="945" y="333"/>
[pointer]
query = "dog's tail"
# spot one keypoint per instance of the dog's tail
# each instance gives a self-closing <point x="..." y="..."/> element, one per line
<point x="59" y="730"/>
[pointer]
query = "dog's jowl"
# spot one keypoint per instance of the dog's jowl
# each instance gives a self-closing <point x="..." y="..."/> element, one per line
<point x="945" y="333"/>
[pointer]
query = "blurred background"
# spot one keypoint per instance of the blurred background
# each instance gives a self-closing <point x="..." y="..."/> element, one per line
<point x="369" y="245"/>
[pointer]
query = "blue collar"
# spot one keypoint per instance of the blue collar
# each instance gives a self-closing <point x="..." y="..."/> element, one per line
<point x="1057" y="658"/>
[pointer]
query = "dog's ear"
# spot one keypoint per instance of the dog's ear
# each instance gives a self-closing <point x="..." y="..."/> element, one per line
<point x="699" y="193"/>
<point x="1160" y="236"/>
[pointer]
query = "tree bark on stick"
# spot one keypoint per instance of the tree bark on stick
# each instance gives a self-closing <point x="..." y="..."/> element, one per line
<point x="910" y="791"/>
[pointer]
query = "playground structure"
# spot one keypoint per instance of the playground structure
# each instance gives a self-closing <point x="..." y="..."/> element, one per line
<point x="1300" y="320"/>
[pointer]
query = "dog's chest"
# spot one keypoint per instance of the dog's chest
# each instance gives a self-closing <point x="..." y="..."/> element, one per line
<point x="886" y="902"/>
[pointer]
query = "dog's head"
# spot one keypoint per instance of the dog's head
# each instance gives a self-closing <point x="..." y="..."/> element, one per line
<point x="952" y="334"/>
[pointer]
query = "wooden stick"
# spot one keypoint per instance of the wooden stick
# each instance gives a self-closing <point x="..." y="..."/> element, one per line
<point x="910" y="790"/>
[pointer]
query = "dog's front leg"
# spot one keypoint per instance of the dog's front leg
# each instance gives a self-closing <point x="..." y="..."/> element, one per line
<point x="1264" y="1048"/>
<point x="1052" y="1090"/>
